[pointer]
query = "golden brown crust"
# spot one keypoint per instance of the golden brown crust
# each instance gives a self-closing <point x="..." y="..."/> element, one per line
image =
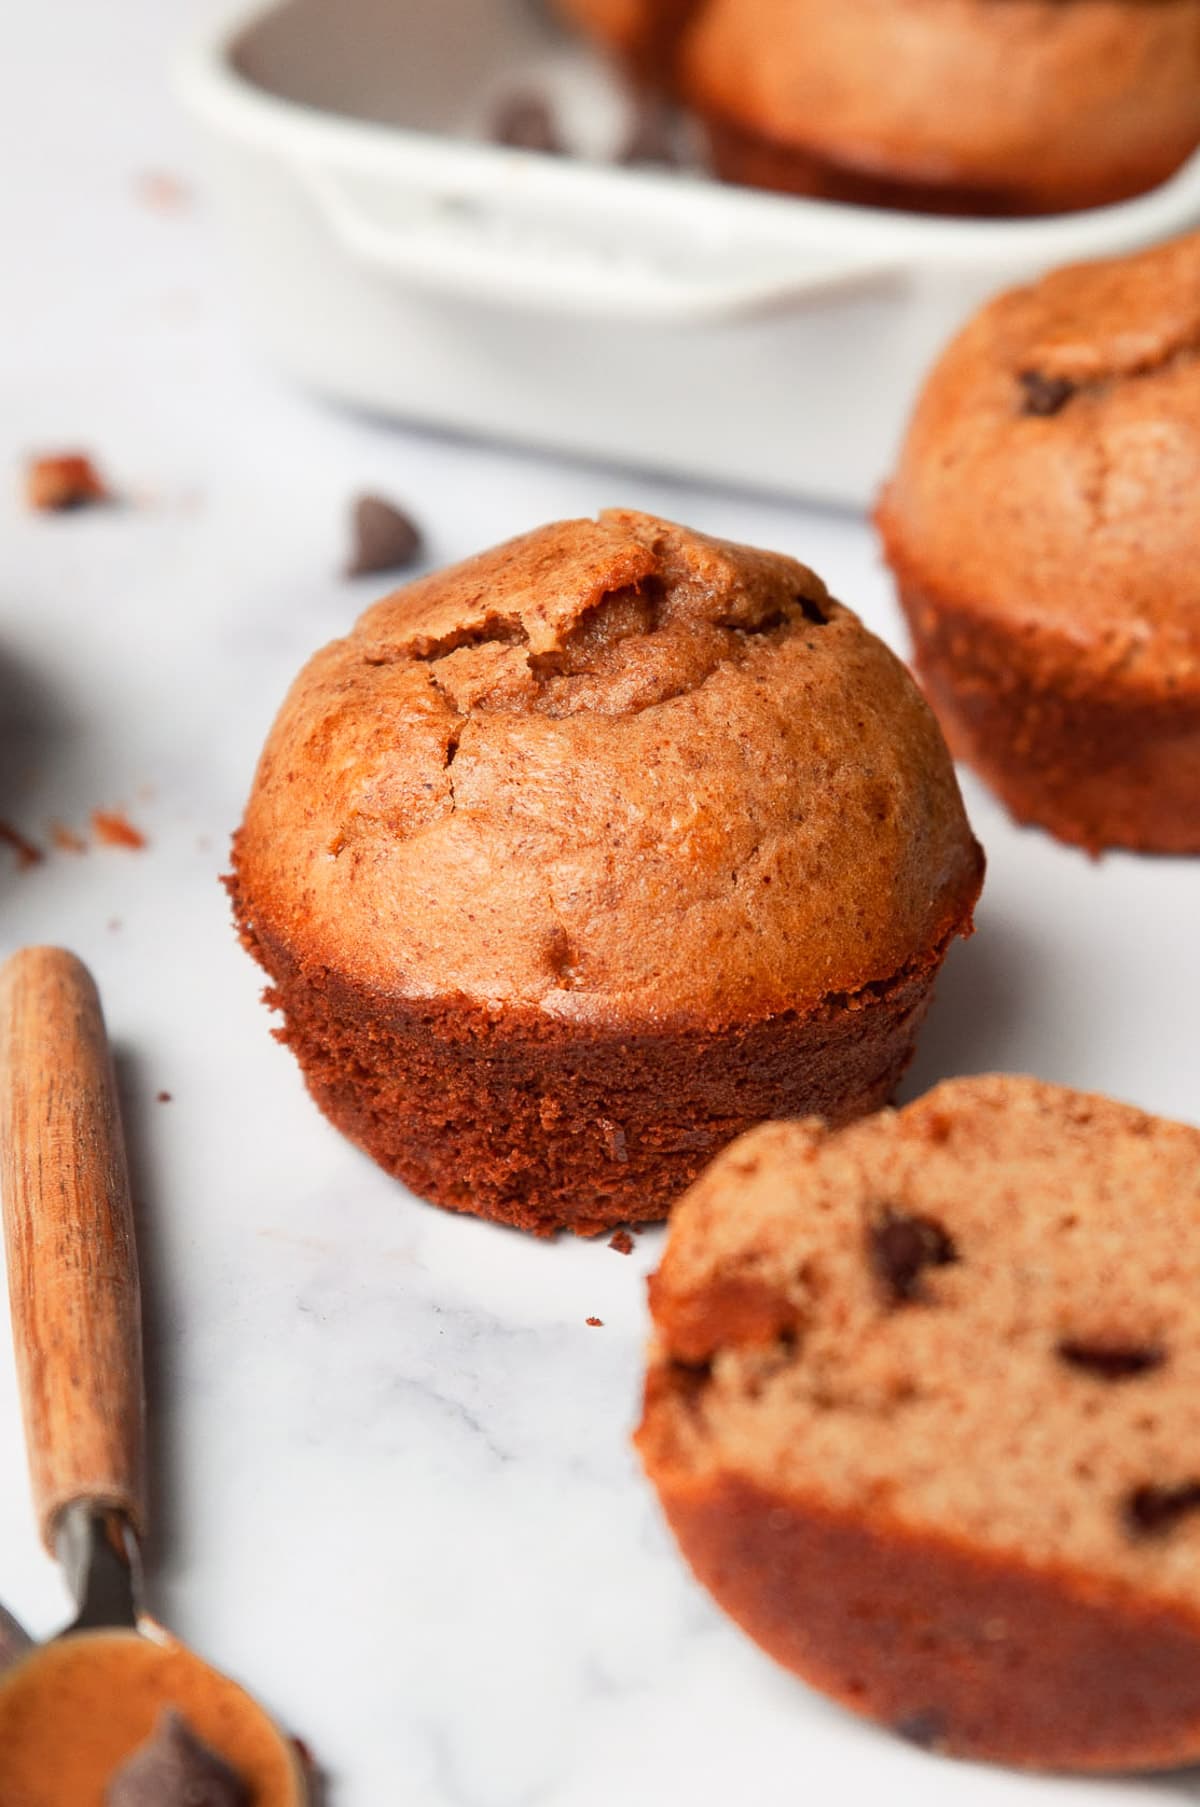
<point x="951" y="1650"/>
<point x="1043" y="529"/>
<point x="619" y="773"/>
<point x="922" y="1413"/>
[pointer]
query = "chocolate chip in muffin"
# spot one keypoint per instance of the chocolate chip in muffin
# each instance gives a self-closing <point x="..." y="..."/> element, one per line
<point x="385" y="537"/>
<point x="1111" y="1361"/>
<point x="1152" y="1511"/>
<point x="1044" y="395"/>
<point x="902" y="1245"/>
<point x="174" y="1768"/>
<point x="922" y="1729"/>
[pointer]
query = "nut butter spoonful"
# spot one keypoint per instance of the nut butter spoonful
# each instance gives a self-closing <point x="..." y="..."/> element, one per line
<point x="113" y="1712"/>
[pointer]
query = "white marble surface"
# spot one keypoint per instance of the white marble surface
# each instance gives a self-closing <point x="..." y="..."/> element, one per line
<point x="393" y="1484"/>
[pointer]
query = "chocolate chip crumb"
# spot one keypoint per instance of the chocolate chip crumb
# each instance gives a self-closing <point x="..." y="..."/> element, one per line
<point x="27" y="853"/>
<point x="66" y="840"/>
<point x="112" y="828"/>
<point x="162" y="1097"/>
<point x="1111" y="1361"/>
<point x="596" y="1323"/>
<point x="1152" y="1511"/>
<point x="64" y="480"/>
<point x="384" y="537"/>
<point x="923" y="1729"/>
<point x="622" y="1242"/>
<point x="163" y="192"/>
<point x="526" y="122"/>
<point x="902" y="1246"/>
<point x="1044" y="395"/>
<point x="174" y="1768"/>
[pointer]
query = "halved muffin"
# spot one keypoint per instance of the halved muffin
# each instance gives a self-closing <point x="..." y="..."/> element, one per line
<point x="923" y="1414"/>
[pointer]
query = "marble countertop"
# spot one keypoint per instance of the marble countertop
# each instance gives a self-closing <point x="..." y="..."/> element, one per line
<point x="392" y="1481"/>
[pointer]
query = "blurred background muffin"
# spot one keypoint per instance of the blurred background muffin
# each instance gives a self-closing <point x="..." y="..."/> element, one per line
<point x="1043" y="525"/>
<point x="1002" y="107"/>
<point x="573" y="860"/>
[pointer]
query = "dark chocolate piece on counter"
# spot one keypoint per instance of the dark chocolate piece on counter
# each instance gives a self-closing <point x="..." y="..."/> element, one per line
<point x="385" y="538"/>
<point x="651" y="138"/>
<point x="527" y="122"/>
<point x="1044" y="394"/>
<point x="174" y="1768"/>
<point x="15" y="1641"/>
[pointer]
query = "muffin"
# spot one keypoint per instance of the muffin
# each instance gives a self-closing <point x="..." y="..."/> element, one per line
<point x="924" y="1416"/>
<point x="574" y="860"/>
<point x="896" y="102"/>
<point x="1044" y="531"/>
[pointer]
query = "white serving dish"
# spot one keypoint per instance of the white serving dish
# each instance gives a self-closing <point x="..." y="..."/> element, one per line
<point x="393" y="259"/>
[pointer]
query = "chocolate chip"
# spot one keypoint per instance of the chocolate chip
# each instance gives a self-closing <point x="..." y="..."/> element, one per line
<point x="174" y="1768"/>
<point x="812" y="611"/>
<point x="1111" y="1361"/>
<point x="925" y="1729"/>
<point x="902" y="1245"/>
<point x="14" y="1640"/>
<point x="1044" y="394"/>
<point x="1152" y="1511"/>
<point x="651" y="140"/>
<point x="526" y="122"/>
<point x="385" y="538"/>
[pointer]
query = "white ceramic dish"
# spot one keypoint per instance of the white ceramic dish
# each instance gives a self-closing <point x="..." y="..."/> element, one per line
<point x="393" y="259"/>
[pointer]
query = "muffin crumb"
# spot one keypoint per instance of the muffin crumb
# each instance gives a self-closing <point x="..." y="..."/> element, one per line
<point x="59" y="481"/>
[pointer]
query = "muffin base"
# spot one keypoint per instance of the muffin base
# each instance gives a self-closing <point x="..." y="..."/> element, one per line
<point x="533" y="1122"/>
<point x="1097" y="760"/>
<point x="959" y="1651"/>
<point x="756" y="161"/>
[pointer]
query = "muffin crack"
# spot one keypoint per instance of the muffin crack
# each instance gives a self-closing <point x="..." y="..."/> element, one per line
<point x="1045" y="393"/>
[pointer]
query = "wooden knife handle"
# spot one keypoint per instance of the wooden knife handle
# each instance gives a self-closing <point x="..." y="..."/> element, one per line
<point x="68" y="1229"/>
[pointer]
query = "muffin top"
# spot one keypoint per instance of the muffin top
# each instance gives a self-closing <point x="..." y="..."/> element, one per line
<point x="1051" y="472"/>
<point x="978" y="1316"/>
<point x="1099" y="89"/>
<point x="612" y="771"/>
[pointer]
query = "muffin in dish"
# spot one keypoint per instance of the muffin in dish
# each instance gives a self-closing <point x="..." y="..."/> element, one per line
<point x="897" y="102"/>
<point x="1043" y="525"/>
<point x="574" y="860"/>
<point x="923" y="1415"/>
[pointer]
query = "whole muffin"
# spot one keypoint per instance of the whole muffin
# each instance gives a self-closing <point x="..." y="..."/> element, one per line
<point x="924" y="1416"/>
<point x="575" y="859"/>
<point x="1043" y="525"/>
<point x="897" y="102"/>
